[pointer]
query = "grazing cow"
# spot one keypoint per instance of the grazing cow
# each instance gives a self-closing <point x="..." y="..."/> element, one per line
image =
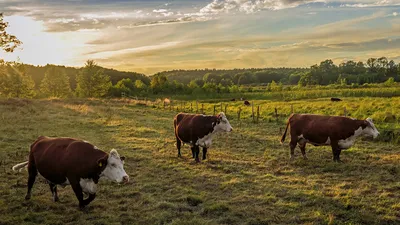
<point x="246" y="103"/>
<point x="337" y="131"/>
<point x="63" y="161"/>
<point x="336" y="99"/>
<point x="197" y="130"/>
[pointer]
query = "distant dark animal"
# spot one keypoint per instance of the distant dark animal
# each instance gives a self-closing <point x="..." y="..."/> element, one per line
<point x="197" y="130"/>
<point x="64" y="161"/>
<point x="336" y="99"/>
<point x="338" y="132"/>
<point x="233" y="99"/>
<point x="246" y="103"/>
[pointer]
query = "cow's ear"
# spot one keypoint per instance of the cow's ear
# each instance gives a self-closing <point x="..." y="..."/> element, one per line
<point x="102" y="162"/>
<point x="114" y="153"/>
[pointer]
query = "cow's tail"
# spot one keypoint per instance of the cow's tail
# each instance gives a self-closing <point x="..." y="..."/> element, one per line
<point x="20" y="166"/>
<point x="284" y="134"/>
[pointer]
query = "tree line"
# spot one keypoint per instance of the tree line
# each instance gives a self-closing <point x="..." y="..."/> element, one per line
<point x="20" y="80"/>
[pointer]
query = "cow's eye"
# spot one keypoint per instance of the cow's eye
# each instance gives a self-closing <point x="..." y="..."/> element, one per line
<point x="113" y="165"/>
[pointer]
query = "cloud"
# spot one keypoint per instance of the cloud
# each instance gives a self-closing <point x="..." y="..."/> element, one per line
<point x="367" y="4"/>
<point x="251" y="6"/>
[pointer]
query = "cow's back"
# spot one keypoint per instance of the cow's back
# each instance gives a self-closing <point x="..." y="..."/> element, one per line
<point x="318" y="128"/>
<point x="55" y="158"/>
<point x="190" y="127"/>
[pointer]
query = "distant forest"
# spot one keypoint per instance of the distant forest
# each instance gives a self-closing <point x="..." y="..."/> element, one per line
<point x="20" y="80"/>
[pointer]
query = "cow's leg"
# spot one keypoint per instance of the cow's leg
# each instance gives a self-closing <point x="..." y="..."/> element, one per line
<point x="77" y="190"/>
<point x="204" y="153"/>
<point x="89" y="199"/>
<point x="336" y="151"/>
<point x="196" y="153"/>
<point x="31" y="179"/>
<point x="302" y="145"/>
<point x="338" y="155"/>
<point x="53" y="189"/>
<point x="292" y="144"/>
<point x="193" y="151"/>
<point x="178" y="146"/>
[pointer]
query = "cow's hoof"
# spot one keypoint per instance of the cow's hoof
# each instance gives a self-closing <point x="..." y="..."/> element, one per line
<point x="305" y="157"/>
<point x="27" y="197"/>
<point x="56" y="199"/>
<point x="291" y="158"/>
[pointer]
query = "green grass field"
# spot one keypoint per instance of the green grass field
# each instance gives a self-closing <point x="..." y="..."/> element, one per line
<point x="246" y="180"/>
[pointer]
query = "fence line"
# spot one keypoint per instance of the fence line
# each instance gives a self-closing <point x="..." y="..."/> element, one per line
<point x="255" y="112"/>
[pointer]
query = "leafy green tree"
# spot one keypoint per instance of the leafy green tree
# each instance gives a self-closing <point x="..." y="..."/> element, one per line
<point x="390" y="81"/>
<point x="159" y="84"/>
<point x="246" y="78"/>
<point x="15" y="82"/>
<point x="55" y="83"/>
<point x="211" y="78"/>
<point x="307" y="79"/>
<point x="8" y="42"/>
<point x="372" y="65"/>
<point x="193" y="85"/>
<point x="139" y="84"/>
<point x="91" y="81"/>
<point x="295" y="77"/>
<point x="391" y="70"/>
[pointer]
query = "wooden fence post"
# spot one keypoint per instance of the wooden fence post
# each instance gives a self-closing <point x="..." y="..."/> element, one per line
<point x="239" y="110"/>
<point x="221" y="107"/>
<point x="214" y="109"/>
<point x="258" y="113"/>
<point x="164" y="105"/>
<point x="226" y="109"/>
<point x="197" y="107"/>
<point x="191" y="109"/>
<point x="202" y="108"/>
<point x="252" y="111"/>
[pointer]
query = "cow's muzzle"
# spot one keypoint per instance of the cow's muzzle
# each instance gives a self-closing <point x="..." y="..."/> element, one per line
<point x="125" y="179"/>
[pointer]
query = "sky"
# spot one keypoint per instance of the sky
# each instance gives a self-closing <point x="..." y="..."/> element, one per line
<point x="150" y="36"/>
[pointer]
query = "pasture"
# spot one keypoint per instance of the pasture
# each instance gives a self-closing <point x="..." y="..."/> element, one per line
<point x="246" y="179"/>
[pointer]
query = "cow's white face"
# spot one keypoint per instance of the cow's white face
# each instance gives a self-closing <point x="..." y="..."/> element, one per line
<point x="224" y="124"/>
<point x="115" y="168"/>
<point x="371" y="130"/>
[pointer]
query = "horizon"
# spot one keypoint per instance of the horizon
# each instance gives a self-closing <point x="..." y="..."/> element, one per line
<point x="153" y="36"/>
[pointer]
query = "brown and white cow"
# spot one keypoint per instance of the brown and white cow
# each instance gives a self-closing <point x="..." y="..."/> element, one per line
<point x="197" y="130"/>
<point x="64" y="161"/>
<point x="337" y="131"/>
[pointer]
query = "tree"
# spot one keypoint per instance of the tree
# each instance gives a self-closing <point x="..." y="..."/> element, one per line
<point x="55" y="83"/>
<point x="8" y="42"/>
<point x="91" y="81"/>
<point x="211" y="78"/>
<point x="15" y="82"/>
<point x="159" y="83"/>
<point x="372" y="65"/>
